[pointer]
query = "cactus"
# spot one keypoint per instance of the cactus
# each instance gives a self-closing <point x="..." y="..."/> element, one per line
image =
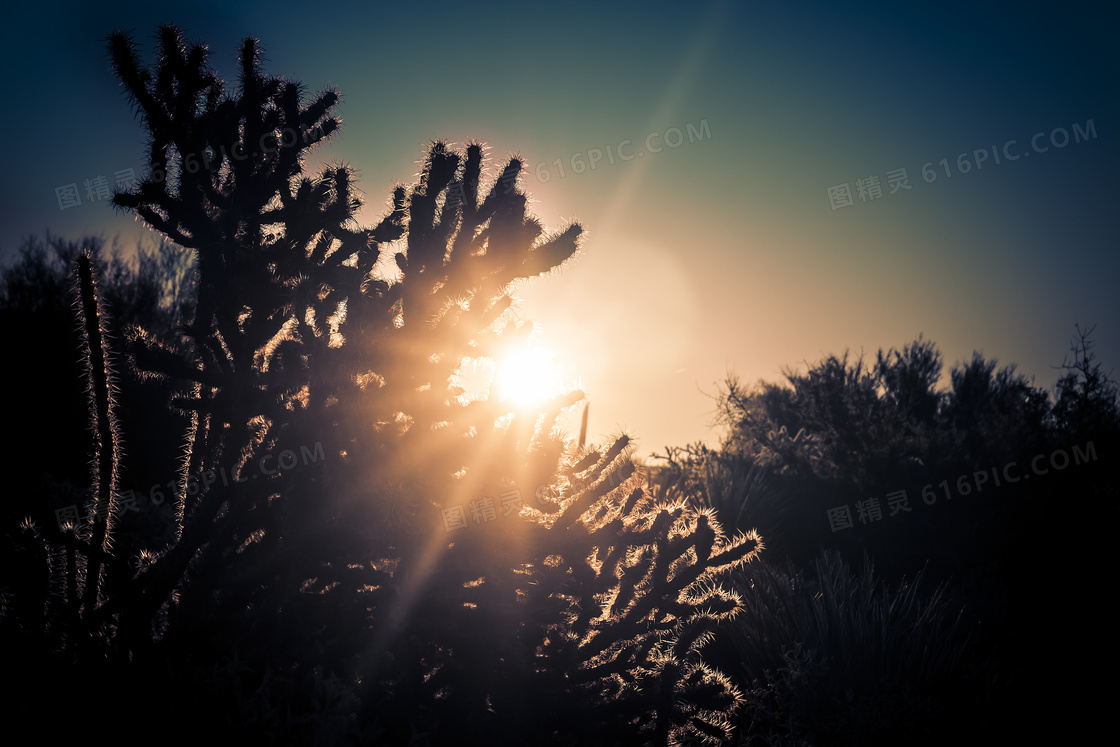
<point x="106" y="434"/>
<point x="58" y="597"/>
<point x="595" y="600"/>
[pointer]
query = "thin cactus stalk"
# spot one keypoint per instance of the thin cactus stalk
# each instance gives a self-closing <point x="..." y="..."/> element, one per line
<point x="192" y="465"/>
<point x="583" y="426"/>
<point x="72" y="598"/>
<point x="106" y="433"/>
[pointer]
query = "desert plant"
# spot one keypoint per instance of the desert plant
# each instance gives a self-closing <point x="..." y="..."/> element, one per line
<point x="38" y="296"/>
<point x="152" y="286"/>
<point x="580" y="616"/>
<point x="588" y="627"/>
<point x="835" y="656"/>
<point x="741" y="489"/>
<point x="1087" y="402"/>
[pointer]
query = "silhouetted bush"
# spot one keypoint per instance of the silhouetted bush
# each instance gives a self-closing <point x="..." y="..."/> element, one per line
<point x="833" y="655"/>
<point x="1025" y="557"/>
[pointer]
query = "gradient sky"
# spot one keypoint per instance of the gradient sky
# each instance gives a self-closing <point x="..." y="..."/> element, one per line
<point x="726" y="253"/>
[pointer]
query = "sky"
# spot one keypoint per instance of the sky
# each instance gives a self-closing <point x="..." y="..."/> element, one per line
<point x="760" y="186"/>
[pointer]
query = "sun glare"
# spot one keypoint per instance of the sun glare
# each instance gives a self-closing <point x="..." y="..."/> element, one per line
<point x="528" y="376"/>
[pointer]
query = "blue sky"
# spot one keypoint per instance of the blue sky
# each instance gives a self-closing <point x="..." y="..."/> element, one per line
<point x="717" y="246"/>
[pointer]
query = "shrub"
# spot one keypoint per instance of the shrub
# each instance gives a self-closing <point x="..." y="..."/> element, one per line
<point x="834" y="656"/>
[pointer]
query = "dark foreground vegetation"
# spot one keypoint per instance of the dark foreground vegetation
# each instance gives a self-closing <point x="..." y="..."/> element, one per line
<point x="879" y="624"/>
<point x="252" y="505"/>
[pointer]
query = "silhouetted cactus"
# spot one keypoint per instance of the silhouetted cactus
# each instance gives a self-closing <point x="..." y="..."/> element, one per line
<point x="586" y="625"/>
<point x="60" y="596"/>
<point x="106" y="447"/>
<point x="580" y="616"/>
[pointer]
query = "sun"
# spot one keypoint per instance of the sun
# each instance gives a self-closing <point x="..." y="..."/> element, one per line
<point x="528" y="376"/>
